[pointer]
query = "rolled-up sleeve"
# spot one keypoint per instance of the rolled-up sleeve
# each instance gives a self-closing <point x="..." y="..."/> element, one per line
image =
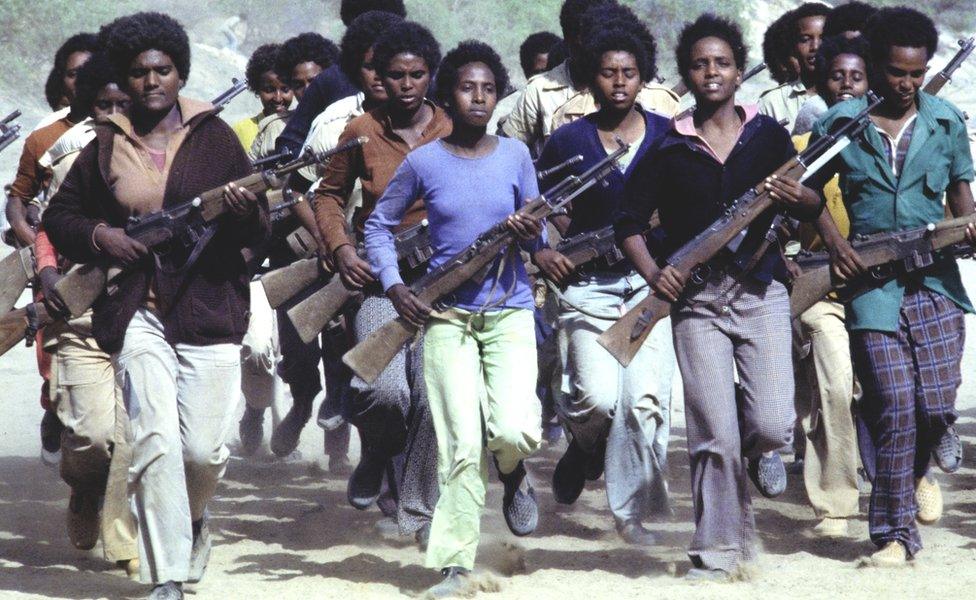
<point x="961" y="168"/>
<point x="333" y="192"/>
<point x="403" y="190"/>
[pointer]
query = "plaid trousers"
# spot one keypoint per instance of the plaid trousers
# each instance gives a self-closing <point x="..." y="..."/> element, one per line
<point x="910" y="377"/>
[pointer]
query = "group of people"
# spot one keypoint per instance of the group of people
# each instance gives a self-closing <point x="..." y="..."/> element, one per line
<point x="141" y="393"/>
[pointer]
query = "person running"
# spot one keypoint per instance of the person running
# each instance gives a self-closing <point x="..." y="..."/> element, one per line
<point x="391" y="413"/>
<point x="480" y="353"/>
<point x="805" y="33"/>
<point x="618" y="417"/>
<point x="907" y="333"/>
<point x="174" y="337"/>
<point x="706" y="161"/>
<point x="273" y="93"/>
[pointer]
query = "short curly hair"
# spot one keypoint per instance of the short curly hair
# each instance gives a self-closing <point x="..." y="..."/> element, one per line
<point x="900" y="26"/>
<point x="709" y="25"/>
<point x="95" y="75"/>
<point x="406" y="37"/>
<point x="360" y="37"/>
<point x="54" y="85"/>
<point x="777" y="49"/>
<point x="127" y="37"/>
<point x="305" y="47"/>
<point x="833" y="47"/>
<point x="806" y="10"/>
<point x="351" y="9"/>
<point x="540" y="42"/>
<point x="262" y="60"/>
<point x="571" y="15"/>
<point x="615" y="27"/>
<point x="852" y="16"/>
<point x="468" y="52"/>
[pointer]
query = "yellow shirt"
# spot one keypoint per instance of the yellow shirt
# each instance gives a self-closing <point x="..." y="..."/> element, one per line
<point x="269" y="128"/>
<point x="809" y="238"/>
<point x="247" y="129"/>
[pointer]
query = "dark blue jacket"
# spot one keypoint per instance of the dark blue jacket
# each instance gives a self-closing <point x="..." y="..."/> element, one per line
<point x="328" y="86"/>
<point x="690" y="189"/>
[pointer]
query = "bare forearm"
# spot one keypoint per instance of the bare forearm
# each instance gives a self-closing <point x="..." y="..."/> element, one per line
<point x="827" y="229"/>
<point x="960" y="199"/>
<point x="635" y="248"/>
<point x="305" y="215"/>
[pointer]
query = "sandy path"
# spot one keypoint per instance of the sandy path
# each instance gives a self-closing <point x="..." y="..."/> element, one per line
<point x="284" y="530"/>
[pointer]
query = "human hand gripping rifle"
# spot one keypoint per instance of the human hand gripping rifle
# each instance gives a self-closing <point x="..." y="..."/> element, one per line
<point x="885" y="255"/>
<point x="625" y="337"/>
<point x="944" y="76"/>
<point x="368" y="358"/>
<point x="9" y="131"/>
<point x="187" y="226"/>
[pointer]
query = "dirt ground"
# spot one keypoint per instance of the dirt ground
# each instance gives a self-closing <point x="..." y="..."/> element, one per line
<point x="284" y="530"/>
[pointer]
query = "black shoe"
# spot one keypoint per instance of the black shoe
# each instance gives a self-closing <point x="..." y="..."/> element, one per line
<point x="569" y="478"/>
<point x="633" y="532"/>
<point x="200" y="552"/>
<point x="454" y="583"/>
<point x="422" y="536"/>
<point x="251" y="430"/>
<point x="284" y="439"/>
<point x="366" y="480"/>
<point x="51" y="428"/>
<point x="948" y="454"/>
<point x="520" y="507"/>
<point x="595" y="460"/>
<point x="171" y="590"/>
<point x="769" y="474"/>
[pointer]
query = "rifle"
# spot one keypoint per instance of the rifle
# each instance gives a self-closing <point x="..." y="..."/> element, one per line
<point x="22" y="324"/>
<point x="884" y="254"/>
<point x="679" y="89"/>
<point x="745" y="77"/>
<point x="311" y="315"/>
<point x="9" y="131"/>
<point x="237" y="88"/>
<point x="273" y="159"/>
<point x="368" y="358"/>
<point x="944" y="76"/>
<point x="16" y="271"/>
<point x="187" y="226"/>
<point x="625" y="337"/>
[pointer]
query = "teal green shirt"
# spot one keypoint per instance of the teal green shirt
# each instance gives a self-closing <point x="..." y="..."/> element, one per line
<point x="878" y="201"/>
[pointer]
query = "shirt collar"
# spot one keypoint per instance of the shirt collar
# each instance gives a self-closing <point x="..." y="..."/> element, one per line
<point x="189" y="108"/>
<point x="685" y="127"/>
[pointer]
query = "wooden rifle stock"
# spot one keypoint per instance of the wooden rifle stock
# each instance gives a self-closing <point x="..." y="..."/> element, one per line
<point x="372" y="355"/>
<point x="16" y="271"/>
<point x="17" y="325"/>
<point x="83" y="284"/>
<point x="625" y="337"/>
<point x="281" y="285"/>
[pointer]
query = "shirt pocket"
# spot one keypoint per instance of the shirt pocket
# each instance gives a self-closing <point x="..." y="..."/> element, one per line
<point x="852" y="185"/>
<point x="936" y="182"/>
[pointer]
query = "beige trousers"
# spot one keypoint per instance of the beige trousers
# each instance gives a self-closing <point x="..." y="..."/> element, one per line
<point x="95" y="452"/>
<point x="830" y="464"/>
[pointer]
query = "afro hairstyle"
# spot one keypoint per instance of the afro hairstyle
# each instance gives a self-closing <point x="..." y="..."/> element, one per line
<point x="262" y="60"/>
<point x="540" y="42"/>
<point x="467" y="52"/>
<point x="709" y="25"/>
<point x="614" y="27"/>
<point x="54" y="85"/>
<point x="406" y="37"/>
<point x="557" y="55"/>
<point x="833" y="47"/>
<point x="127" y="37"/>
<point x="350" y="9"/>
<point x="852" y="16"/>
<point x="305" y="47"/>
<point x="360" y="37"/>
<point x="777" y="49"/>
<point x="806" y="10"/>
<point x="900" y="26"/>
<point x="571" y="15"/>
<point x="97" y="73"/>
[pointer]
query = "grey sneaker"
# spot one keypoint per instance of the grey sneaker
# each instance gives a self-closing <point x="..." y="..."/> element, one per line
<point x="200" y="552"/>
<point x="455" y="580"/>
<point x="769" y="474"/>
<point x="519" y="505"/>
<point x="171" y="590"/>
<point x="634" y="533"/>
<point x="948" y="454"/>
<point x="715" y="575"/>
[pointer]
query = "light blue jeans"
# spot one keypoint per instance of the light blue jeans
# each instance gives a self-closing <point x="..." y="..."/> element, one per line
<point x="181" y="400"/>
<point x="601" y="401"/>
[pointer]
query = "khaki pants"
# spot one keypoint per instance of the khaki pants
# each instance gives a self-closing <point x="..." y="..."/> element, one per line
<point x="95" y="453"/>
<point x="481" y="373"/>
<point x="830" y="462"/>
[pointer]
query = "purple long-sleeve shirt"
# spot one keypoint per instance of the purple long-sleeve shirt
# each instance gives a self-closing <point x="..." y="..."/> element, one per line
<point x="463" y="197"/>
